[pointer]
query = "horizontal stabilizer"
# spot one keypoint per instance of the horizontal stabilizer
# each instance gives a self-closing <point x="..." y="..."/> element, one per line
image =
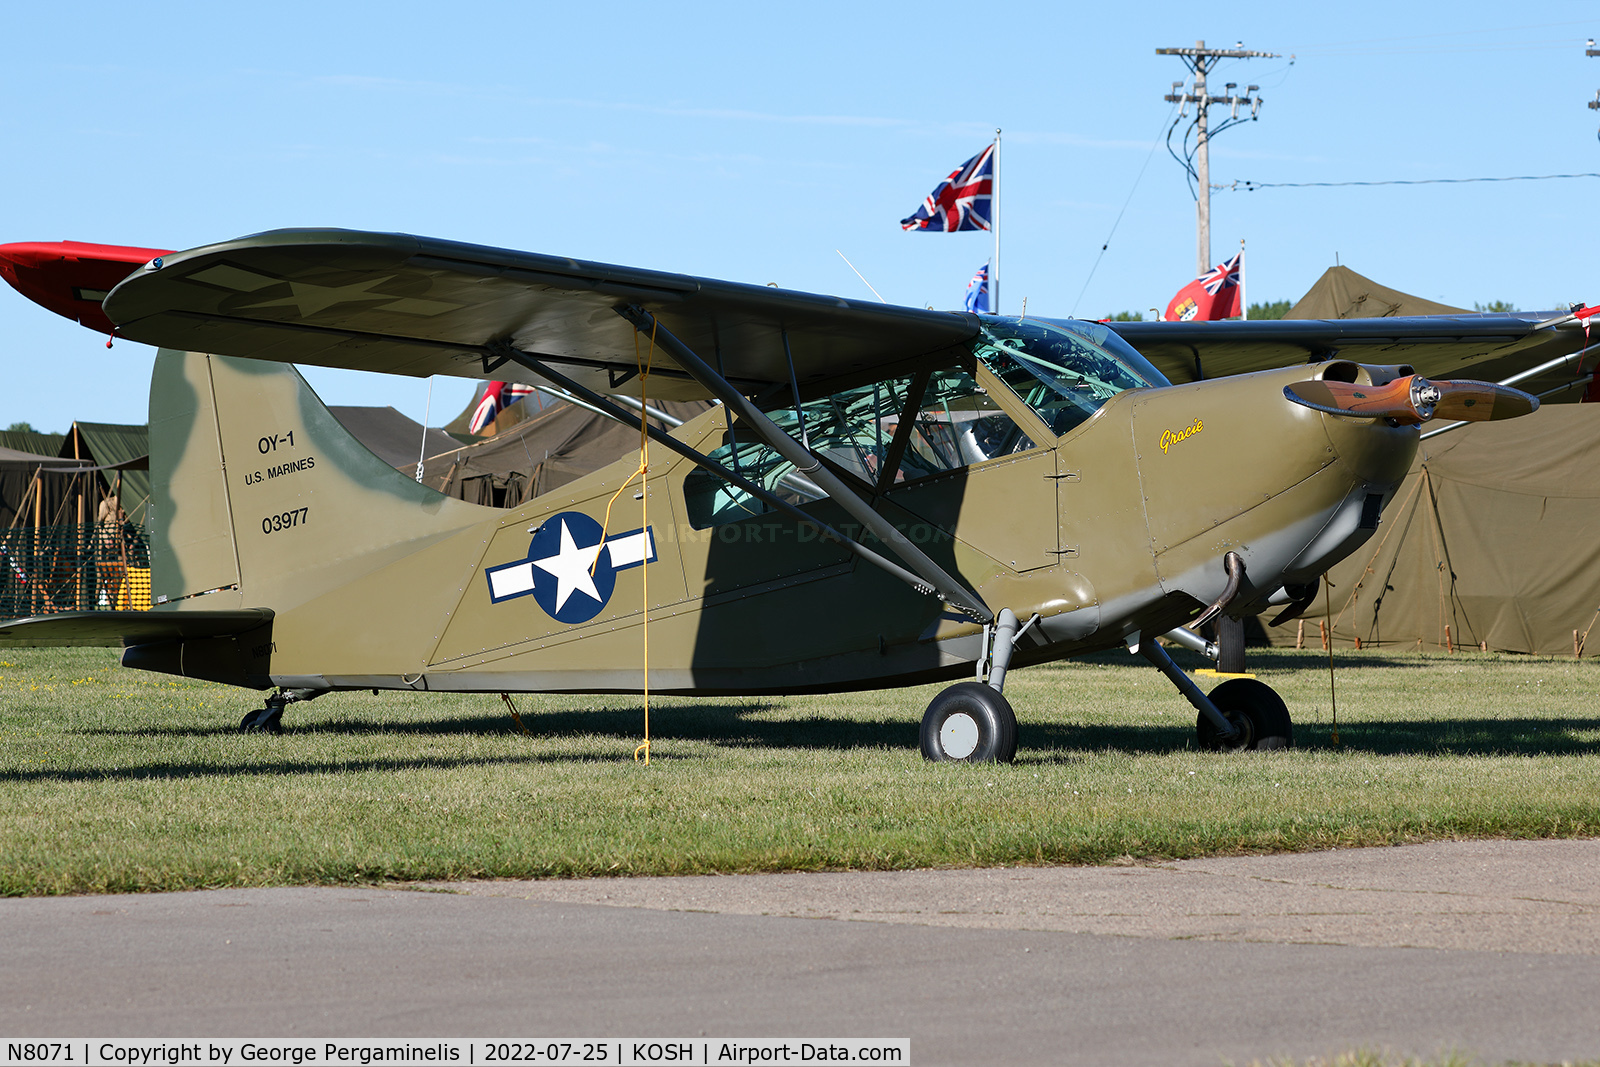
<point x="121" y="628"/>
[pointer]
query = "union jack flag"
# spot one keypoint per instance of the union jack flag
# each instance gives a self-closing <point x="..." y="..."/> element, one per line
<point x="496" y="398"/>
<point x="1222" y="274"/>
<point x="960" y="202"/>
<point x="978" y="291"/>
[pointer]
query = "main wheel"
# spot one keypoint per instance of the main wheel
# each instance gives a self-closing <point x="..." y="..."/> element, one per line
<point x="1254" y="708"/>
<point x="969" y="722"/>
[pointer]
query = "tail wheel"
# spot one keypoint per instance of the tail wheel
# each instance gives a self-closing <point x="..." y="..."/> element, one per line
<point x="1258" y="712"/>
<point x="969" y="723"/>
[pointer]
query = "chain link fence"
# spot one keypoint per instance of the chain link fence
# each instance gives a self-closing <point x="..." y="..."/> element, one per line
<point x="85" y="567"/>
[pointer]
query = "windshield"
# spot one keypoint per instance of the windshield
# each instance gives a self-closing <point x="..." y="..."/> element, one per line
<point x="1066" y="369"/>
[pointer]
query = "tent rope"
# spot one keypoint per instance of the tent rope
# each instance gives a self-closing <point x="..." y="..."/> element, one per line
<point x="1355" y="591"/>
<point x="1333" y="699"/>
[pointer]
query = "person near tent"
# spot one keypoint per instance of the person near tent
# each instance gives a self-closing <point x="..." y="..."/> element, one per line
<point x="110" y="557"/>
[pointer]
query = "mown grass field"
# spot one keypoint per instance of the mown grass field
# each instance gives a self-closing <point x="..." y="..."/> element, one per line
<point x="115" y="780"/>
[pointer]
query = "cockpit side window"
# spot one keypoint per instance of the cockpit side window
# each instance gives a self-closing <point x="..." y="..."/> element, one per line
<point x="1064" y="370"/>
<point x="852" y="429"/>
<point x="957" y="424"/>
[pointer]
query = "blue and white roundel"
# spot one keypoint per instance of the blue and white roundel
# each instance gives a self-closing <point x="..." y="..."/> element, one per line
<point x="568" y="570"/>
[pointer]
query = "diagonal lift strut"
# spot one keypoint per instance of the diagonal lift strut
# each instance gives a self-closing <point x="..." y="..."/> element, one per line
<point x="806" y="462"/>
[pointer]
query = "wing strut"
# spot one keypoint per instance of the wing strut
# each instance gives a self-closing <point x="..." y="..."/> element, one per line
<point x="807" y="463"/>
<point x="605" y="406"/>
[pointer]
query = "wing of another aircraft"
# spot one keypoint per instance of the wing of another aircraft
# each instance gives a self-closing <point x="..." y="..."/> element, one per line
<point x="1492" y="346"/>
<point x="410" y="305"/>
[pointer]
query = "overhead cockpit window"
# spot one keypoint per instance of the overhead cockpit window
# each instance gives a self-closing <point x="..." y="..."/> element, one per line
<point x="1066" y="369"/>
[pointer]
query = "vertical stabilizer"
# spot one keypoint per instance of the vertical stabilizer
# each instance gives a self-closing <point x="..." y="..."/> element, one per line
<point x="259" y="488"/>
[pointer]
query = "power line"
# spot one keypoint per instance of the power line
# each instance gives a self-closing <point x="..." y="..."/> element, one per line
<point x="1107" y="243"/>
<point x="1251" y="187"/>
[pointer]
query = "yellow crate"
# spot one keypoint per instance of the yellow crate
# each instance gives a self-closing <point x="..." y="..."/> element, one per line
<point x="135" y="592"/>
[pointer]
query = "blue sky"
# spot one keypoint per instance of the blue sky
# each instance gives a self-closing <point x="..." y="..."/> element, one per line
<point x="751" y="142"/>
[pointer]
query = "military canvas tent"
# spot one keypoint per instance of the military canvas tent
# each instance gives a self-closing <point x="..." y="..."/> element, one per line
<point x="391" y="436"/>
<point x="548" y="449"/>
<point x="1490" y="534"/>
<point x="109" y="444"/>
<point x="44" y="444"/>
<point x="1341" y="293"/>
<point x="18" y="471"/>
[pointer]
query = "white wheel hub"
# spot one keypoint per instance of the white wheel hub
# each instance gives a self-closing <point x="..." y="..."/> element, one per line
<point x="959" y="735"/>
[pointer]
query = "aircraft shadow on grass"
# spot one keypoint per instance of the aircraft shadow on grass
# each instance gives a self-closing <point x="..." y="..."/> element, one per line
<point x="734" y="725"/>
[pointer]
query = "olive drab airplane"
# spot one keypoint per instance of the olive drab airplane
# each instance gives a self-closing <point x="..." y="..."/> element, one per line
<point x="883" y="496"/>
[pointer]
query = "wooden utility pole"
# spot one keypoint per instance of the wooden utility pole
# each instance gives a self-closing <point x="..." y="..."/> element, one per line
<point x="1201" y="61"/>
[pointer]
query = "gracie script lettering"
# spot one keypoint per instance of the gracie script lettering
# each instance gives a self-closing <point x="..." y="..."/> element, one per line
<point x="1169" y="437"/>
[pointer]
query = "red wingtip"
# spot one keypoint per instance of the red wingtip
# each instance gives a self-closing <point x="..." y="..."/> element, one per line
<point x="71" y="278"/>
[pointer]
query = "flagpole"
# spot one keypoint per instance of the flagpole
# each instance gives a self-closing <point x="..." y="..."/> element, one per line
<point x="994" y="270"/>
<point x="1244" y="308"/>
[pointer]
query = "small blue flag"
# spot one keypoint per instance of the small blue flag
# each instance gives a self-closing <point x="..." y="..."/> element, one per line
<point x="978" y="291"/>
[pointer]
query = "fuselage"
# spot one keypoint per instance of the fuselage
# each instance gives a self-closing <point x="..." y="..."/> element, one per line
<point x="1119" y="523"/>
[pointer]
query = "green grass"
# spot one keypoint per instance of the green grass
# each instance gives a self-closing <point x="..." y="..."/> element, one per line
<point x="115" y="780"/>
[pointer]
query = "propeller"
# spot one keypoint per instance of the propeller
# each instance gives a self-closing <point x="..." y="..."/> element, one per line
<point x="1414" y="399"/>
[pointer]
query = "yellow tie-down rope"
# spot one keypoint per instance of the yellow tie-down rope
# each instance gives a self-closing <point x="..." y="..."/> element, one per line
<point x="644" y="363"/>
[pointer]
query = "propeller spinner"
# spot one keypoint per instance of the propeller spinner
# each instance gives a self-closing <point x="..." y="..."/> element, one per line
<point x="1414" y="399"/>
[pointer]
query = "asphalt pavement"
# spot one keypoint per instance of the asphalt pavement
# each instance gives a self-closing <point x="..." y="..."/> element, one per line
<point x="1488" y="947"/>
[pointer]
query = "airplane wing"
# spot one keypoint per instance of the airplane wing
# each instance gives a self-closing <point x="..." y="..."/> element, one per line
<point x="119" y="628"/>
<point x="1490" y="347"/>
<point x="408" y="305"/>
<point x="411" y="305"/>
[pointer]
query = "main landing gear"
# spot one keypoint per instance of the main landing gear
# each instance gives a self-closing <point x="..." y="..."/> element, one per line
<point x="972" y="722"/>
<point x="269" y="719"/>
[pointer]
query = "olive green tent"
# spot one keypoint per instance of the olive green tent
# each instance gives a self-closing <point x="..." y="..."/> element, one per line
<point x="1341" y="293"/>
<point x="44" y="444"/>
<point x="109" y="444"/>
<point x="1490" y="535"/>
<point x="546" y="449"/>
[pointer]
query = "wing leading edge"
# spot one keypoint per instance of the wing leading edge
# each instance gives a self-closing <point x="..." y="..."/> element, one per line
<point x="409" y="305"/>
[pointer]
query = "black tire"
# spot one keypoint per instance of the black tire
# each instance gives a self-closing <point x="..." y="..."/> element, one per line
<point x="267" y="720"/>
<point x="1257" y="711"/>
<point x="969" y="723"/>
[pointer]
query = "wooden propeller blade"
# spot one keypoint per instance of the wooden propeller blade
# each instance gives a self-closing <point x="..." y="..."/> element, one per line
<point x="1392" y="401"/>
<point x="1469" y="401"/>
<point x="1414" y="400"/>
